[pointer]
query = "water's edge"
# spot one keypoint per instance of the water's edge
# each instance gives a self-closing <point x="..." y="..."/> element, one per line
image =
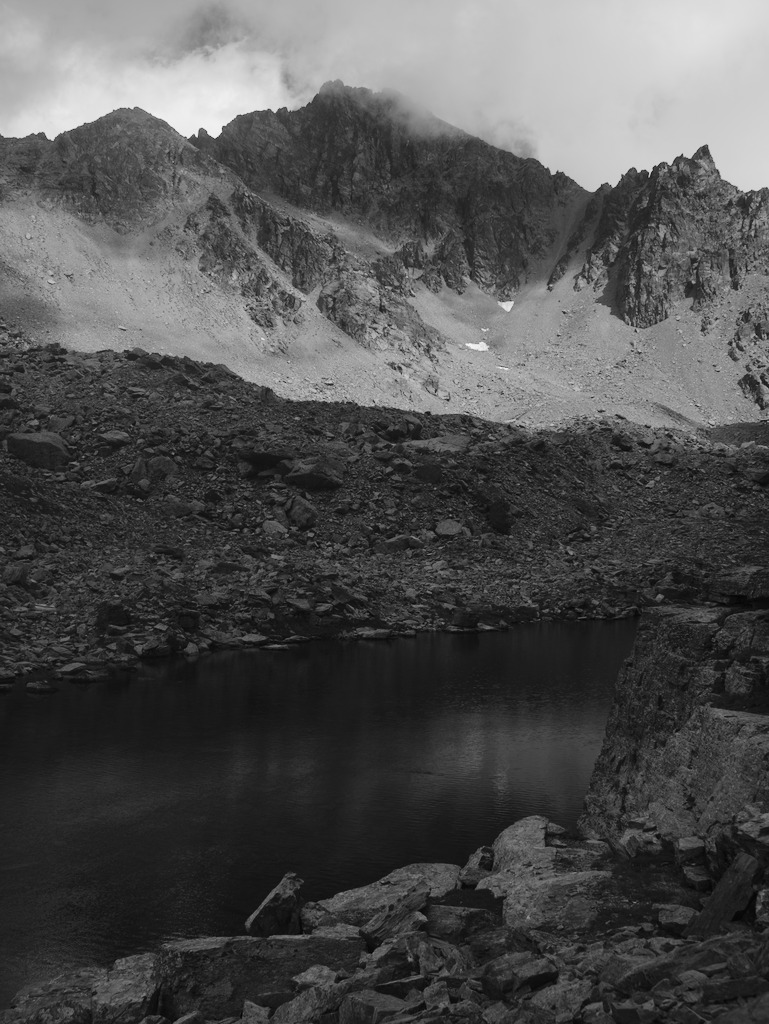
<point x="167" y="804"/>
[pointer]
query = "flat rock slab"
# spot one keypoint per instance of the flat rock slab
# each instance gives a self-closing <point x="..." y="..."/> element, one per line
<point x="359" y="906"/>
<point x="216" y="975"/>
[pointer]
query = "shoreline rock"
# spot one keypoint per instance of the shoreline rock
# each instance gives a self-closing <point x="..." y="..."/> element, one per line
<point x="457" y="954"/>
<point x="683" y="764"/>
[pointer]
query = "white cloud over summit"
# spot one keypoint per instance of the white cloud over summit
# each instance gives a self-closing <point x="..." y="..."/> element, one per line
<point x="590" y="87"/>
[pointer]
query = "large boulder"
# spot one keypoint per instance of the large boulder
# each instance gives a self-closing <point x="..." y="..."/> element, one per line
<point x="44" y="450"/>
<point x="541" y="889"/>
<point x="522" y="843"/>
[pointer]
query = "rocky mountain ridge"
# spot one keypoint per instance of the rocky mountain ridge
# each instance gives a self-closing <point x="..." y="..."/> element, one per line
<point x="362" y="236"/>
<point x="456" y="207"/>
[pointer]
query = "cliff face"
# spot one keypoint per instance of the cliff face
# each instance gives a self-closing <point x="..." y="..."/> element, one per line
<point x="460" y="206"/>
<point x="679" y="232"/>
<point x="687" y="743"/>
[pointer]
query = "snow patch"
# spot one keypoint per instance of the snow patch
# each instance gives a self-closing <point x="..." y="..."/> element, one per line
<point x="480" y="346"/>
<point x="507" y="306"/>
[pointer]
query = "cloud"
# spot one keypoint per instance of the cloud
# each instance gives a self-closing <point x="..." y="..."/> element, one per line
<point x="590" y="88"/>
<point x="208" y="29"/>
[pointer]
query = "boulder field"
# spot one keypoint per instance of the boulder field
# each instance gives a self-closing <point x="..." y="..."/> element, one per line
<point x="153" y="505"/>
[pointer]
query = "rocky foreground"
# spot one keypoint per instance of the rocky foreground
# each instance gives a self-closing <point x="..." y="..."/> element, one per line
<point x="153" y="505"/>
<point x="536" y="929"/>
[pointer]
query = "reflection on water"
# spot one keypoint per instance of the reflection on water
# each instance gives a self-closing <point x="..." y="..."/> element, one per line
<point x="170" y="803"/>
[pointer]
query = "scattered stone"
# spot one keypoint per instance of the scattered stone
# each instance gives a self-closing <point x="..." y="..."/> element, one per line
<point x="369" y="1007"/>
<point x="512" y="971"/>
<point x="115" y="438"/>
<point x="448" y="528"/>
<point x="675" y="918"/>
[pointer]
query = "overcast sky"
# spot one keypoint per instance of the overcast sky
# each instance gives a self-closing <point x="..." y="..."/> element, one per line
<point x="589" y="87"/>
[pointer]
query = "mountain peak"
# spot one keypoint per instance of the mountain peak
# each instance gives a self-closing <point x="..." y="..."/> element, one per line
<point x="700" y="165"/>
<point x="387" y="105"/>
<point x="131" y="118"/>
<point x="703" y="156"/>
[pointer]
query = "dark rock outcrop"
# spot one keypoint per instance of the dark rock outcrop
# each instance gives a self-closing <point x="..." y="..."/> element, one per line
<point x="679" y="232"/>
<point x="226" y="257"/>
<point x="491" y="216"/>
<point x="688" y="737"/>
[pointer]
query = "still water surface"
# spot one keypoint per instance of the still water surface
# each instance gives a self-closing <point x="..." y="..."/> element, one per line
<point x="169" y="803"/>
